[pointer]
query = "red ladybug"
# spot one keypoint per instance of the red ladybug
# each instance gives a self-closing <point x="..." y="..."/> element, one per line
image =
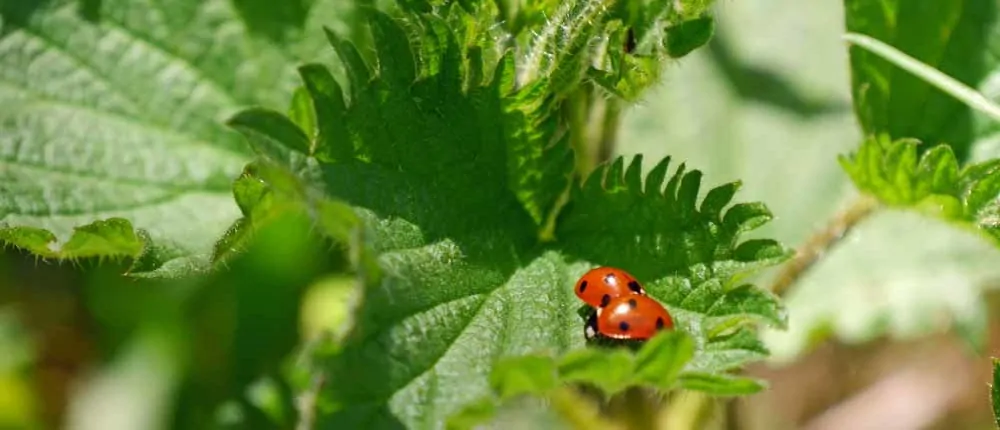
<point x="631" y="317"/>
<point x="599" y="286"/>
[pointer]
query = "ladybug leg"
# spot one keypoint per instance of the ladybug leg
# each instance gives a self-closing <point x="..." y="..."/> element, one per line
<point x="590" y="328"/>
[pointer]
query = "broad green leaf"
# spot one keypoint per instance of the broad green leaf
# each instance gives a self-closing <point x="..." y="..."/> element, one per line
<point x="111" y="137"/>
<point x="950" y="36"/>
<point x="436" y="178"/>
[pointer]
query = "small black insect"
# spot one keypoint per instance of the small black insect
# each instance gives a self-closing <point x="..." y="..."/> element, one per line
<point x="630" y="42"/>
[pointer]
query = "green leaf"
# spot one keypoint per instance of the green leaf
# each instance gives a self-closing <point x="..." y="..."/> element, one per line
<point x="561" y="49"/>
<point x="658" y="230"/>
<point x="274" y="134"/>
<point x="609" y="371"/>
<point x="473" y="414"/>
<point x="641" y="35"/>
<point x="301" y="111"/>
<point x="113" y="237"/>
<point x="949" y="36"/>
<point x="451" y="199"/>
<point x="688" y="36"/>
<point x="967" y="197"/>
<point x="661" y="359"/>
<point x="526" y="374"/>
<point x="721" y="385"/>
<point x="995" y="391"/>
<point x="111" y="143"/>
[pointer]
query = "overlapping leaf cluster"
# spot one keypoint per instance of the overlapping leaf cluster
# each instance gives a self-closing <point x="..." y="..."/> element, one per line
<point x="621" y="49"/>
<point x="110" y="139"/>
<point x="452" y="174"/>
<point x="933" y="182"/>
<point x="439" y="167"/>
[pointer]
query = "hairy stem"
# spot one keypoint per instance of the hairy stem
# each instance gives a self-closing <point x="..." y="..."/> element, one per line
<point x="636" y="408"/>
<point x="577" y="108"/>
<point x="608" y="137"/>
<point x="945" y="83"/>
<point x="689" y="410"/>
<point x="579" y="411"/>
<point x="835" y="230"/>
<point x="307" y="402"/>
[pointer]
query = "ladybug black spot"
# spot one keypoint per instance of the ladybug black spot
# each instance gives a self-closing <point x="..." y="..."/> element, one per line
<point x="605" y="300"/>
<point x="635" y="287"/>
<point x="583" y="286"/>
<point x="659" y="323"/>
<point x="632" y="303"/>
<point x="623" y="326"/>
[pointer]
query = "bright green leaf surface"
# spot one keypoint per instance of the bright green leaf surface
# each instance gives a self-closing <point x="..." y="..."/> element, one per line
<point x="950" y="36"/>
<point x="464" y="283"/>
<point x="892" y="172"/>
<point x="114" y="126"/>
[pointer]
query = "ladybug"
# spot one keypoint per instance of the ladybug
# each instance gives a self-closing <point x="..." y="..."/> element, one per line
<point x="599" y="286"/>
<point x="632" y="317"/>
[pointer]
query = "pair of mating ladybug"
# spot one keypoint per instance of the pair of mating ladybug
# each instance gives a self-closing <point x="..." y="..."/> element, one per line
<point x="622" y="308"/>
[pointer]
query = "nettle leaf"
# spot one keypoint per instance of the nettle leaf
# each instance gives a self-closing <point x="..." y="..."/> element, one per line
<point x="949" y="36"/>
<point x="665" y="230"/>
<point x="111" y="143"/>
<point x="932" y="183"/>
<point x="641" y="34"/>
<point x="451" y="178"/>
<point x="561" y="49"/>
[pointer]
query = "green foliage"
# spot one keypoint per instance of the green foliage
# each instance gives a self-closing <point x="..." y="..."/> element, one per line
<point x="653" y="30"/>
<point x="950" y="36"/>
<point x="452" y="198"/>
<point x="437" y="162"/>
<point x="665" y="362"/>
<point x="109" y="133"/>
<point x="932" y="182"/>
<point x="995" y="391"/>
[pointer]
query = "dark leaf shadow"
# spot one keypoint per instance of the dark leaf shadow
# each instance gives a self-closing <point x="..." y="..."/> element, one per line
<point x="274" y="20"/>
<point x="762" y="85"/>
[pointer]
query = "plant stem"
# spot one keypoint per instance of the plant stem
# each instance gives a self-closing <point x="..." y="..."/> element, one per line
<point x="608" y="138"/>
<point x="932" y="76"/>
<point x="578" y="411"/>
<point x="578" y="110"/>
<point x="688" y="410"/>
<point x="636" y="408"/>
<point x="307" y="402"/>
<point x="835" y="230"/>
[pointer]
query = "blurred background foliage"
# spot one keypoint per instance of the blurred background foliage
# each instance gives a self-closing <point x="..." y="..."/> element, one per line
<point x="882" y="330"/>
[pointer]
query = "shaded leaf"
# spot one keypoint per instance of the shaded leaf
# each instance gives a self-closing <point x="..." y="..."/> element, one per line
<point x="949" y="36"/>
